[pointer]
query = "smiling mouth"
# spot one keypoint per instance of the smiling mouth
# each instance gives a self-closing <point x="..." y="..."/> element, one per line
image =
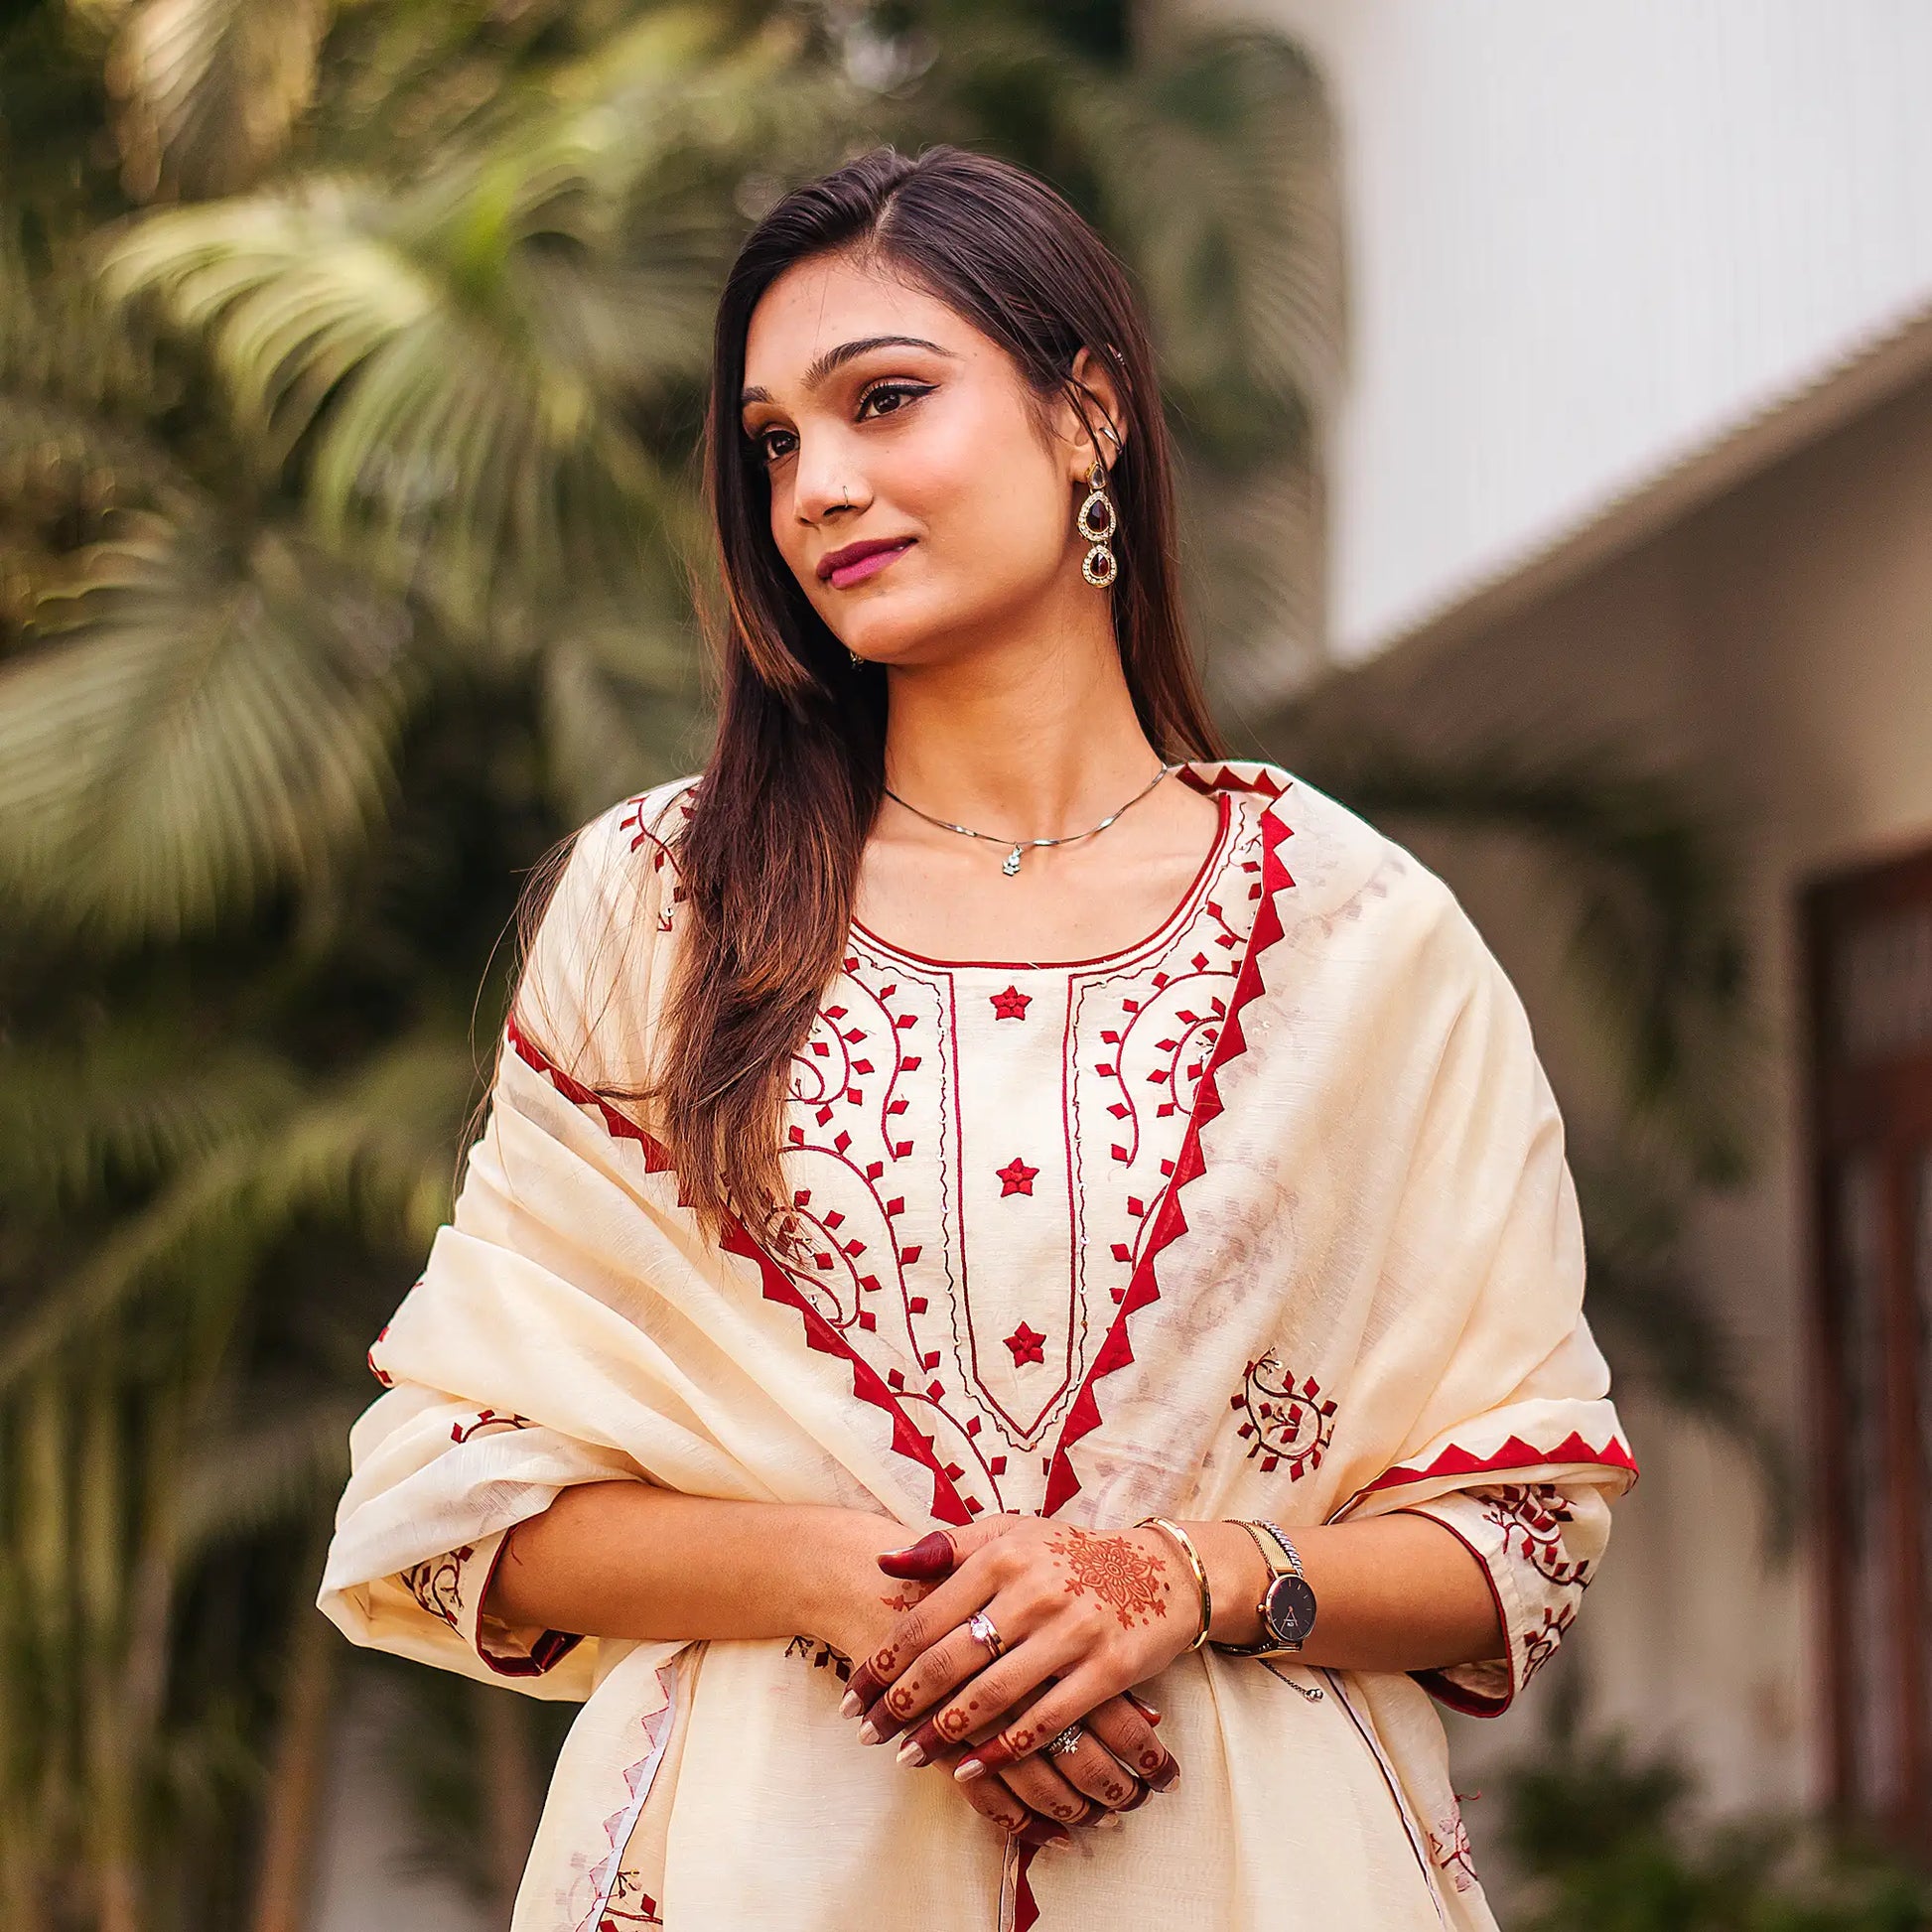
<point x="846" y="575"/>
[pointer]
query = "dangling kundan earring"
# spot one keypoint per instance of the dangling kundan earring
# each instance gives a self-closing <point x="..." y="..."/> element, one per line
<point x="1097" y="522"/>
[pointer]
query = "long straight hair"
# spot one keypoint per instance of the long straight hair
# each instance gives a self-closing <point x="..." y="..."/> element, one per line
<point x="769" y="856"/>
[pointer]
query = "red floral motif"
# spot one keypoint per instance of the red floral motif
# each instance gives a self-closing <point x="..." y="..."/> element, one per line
<point x="382" y="1375"/>
<point x="1285" y="1421"/>
<point x="1532" y="1517"/>
<point x="1539" y="1645"/>
<point x="629" y="1906"/>
<point x="437" y="1585"/>
<point x="1015" y="1177"/>
<point x="821" y="1656"/>
<point x="1449" y="1848"/>
<point x="1027" y="1345"/>
<point x="1011" y="1003"/>
<point x="487" y="1419"/>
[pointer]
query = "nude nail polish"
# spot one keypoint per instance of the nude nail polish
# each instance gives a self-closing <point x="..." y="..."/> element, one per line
<point x="911" y="1753"/>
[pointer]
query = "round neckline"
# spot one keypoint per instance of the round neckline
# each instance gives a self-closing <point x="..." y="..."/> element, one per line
<point x="1216" y="853"/>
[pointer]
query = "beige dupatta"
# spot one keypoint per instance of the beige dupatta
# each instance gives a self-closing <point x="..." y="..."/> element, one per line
<point x="1361" y="1291"/>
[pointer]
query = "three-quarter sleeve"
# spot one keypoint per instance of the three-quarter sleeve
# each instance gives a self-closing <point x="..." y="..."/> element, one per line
<point x="455" y="1588"/>
<point x="1538" y="1544"/>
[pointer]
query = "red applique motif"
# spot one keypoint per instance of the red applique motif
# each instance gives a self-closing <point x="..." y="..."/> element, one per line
<point x="1015" y="1177"/>
<point x="437" y="1585"/>
<point x="1011" y="1003"/>
<point x="1539" y="1645"/>
<point x="1027" y="1345"/>
<point x="1286" y="1422"/>
<point x="487" y="1419"/>
<point x="1451" y="1850"/>
<point x="1531" y="1517"/>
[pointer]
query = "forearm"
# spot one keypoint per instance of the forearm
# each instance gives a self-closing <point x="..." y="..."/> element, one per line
<point x="631" y="1560"/>
<point x="1395" y="1592"/>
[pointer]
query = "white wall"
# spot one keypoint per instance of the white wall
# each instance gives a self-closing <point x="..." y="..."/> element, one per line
<point x="1589" y="237"/>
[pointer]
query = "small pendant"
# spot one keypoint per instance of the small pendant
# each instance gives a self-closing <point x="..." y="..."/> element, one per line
<point x="1012" y="864"/>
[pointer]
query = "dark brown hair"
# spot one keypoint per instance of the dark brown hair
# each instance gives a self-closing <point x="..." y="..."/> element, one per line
<point x="769" y="858"/>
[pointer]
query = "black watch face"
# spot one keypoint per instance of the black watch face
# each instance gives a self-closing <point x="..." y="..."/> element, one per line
<point x="1288" y="1608"/>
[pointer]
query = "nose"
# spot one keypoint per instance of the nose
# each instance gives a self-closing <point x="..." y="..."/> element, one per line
<point x="824" y="480"/>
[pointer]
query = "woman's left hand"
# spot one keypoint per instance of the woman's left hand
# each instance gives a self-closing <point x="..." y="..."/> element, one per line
<point x="1080" y="1617"/>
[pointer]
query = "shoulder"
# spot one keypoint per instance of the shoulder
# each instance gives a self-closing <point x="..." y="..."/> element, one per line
<point x="598" y="945"/>
<point x="1344" y="887"/>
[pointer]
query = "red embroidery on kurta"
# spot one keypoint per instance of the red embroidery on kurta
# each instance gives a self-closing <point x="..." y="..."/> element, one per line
<point x="1015" y="1177"/>
<point x="1027" y="1345"/>
<point x="1170" y="1221"/>
<point x="867" y="1384"/>
<point x="1514" y="1455"/>
<point x="1011" y="1003"/>
<point x="1286" y="1421"/>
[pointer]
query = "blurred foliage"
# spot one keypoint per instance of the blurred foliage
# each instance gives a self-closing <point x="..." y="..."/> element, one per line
<point x="351" y="362"/>
<point x="1605" y="1842"/>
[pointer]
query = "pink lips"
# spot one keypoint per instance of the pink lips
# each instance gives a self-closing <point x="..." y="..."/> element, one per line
<point x="844" y="576"/>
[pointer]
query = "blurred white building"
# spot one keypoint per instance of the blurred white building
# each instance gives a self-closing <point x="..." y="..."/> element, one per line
<point x="1638" y="452"/>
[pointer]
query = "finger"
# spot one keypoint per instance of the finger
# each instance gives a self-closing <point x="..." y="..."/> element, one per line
<point x="1037" y="1780"/>
<point x="1127" y="1735"/>
<point x="931" y="1556"/>
<point x="994" y="1798"/>
<point x="1048" y="1716"/>
<point x="940" y="1551"/>
<point x="1092" y="1770"/>
<point x="932" y="1675"/>
<point x="993" y="1693"/>
<point x="967" y="1589"/>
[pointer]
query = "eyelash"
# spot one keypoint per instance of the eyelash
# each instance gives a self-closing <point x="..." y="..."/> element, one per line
<point x="912" y="390"/>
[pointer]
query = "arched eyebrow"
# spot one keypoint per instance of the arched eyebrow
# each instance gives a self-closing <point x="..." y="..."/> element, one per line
<point x="835" y="358"/>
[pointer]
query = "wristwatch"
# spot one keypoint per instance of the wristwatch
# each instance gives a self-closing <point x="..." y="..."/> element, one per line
<point x="1287" y="1605"/>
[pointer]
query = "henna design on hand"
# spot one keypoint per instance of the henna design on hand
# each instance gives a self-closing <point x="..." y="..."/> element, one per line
<point x="1130" y="1583"/>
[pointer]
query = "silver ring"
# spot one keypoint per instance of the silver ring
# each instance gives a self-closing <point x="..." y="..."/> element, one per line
<point x="981" y="1626"/>
<point x="1067" y="1740"/>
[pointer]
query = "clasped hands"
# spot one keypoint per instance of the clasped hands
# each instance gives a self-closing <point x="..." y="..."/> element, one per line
<point x="1024" y="1628"/>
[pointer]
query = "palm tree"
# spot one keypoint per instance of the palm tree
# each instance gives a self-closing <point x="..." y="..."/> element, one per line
<point x="349" y="363"/>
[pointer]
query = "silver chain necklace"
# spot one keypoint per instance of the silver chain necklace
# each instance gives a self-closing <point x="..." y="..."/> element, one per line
<point x="1011" y="864"/>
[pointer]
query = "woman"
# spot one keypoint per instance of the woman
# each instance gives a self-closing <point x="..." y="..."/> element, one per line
<point x="1019" y="1272"/>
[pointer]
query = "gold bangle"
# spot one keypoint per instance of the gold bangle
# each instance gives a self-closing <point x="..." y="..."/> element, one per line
<point x="1185" y="1543"/>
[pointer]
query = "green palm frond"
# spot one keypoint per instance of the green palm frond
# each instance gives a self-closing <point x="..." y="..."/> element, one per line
<point x="128" y="1103"/>
<point x="1216" y="170"/>
<point x="201" y="721"/>
<point x="374" y="1152"/>
<point x="275" y="1466"/>
<point x="451" y="371"/>
<point x="207" y="91"/>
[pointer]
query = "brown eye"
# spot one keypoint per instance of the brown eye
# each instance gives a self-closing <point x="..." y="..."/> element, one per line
<point x="761" y="445"/>
<point x="902" y="392"/>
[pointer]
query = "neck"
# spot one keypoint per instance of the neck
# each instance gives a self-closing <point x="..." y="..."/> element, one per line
<point x="1032" y="733"/>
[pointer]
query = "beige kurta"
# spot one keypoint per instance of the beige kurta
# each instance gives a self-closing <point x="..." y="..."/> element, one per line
<point x="1265" y="1215"/>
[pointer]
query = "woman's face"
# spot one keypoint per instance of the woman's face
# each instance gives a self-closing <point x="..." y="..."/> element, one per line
<point x="882" y="416"/>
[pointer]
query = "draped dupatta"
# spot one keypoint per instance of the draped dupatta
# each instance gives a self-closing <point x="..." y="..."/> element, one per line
<point x="1359" y="1289"/>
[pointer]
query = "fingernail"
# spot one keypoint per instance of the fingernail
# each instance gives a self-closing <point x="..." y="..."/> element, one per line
<point x="1166" y="1777"/>
<point x="866" y="1735"/>
<point x="1144" y="1707"/>
<point x="1108" y="1821"/>
<point x="911" y="1753"/>
<point x="967" y="1770"/>
<point x="851" y="1705"/>
<point x="920" y="1562"/>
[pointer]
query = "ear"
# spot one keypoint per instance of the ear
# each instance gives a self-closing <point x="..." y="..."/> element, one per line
<point x="1100" y="398"/>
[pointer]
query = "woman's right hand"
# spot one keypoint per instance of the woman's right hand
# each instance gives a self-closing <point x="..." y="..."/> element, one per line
<point x="1039" y="1799"/>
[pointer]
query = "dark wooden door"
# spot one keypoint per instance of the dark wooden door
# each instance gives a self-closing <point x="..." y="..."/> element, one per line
<point x="1870" y="957"/>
